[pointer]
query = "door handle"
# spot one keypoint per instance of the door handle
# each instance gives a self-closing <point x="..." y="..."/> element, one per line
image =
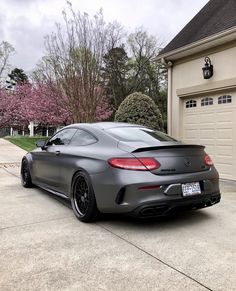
<point x="57" y="153"/>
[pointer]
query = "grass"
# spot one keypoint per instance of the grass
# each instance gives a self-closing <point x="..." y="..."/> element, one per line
<point x="25" y="142"/>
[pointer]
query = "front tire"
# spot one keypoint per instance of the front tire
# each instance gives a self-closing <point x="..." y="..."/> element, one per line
<point x="83" y="199"/>
<point x="25" y="174"/>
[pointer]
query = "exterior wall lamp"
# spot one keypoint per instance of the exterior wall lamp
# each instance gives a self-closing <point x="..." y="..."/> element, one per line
<point x="207" y="69"/>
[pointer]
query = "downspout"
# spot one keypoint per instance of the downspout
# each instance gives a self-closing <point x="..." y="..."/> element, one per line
<point x="169" y="65"/>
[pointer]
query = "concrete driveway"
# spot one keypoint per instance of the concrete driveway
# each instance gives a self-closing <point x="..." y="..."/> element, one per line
<point x="44" y="247"/>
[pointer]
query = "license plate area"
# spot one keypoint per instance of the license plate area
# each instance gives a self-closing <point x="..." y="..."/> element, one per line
<point x="190" y="189"/>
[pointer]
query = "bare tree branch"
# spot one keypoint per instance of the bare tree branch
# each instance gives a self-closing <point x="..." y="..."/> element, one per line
<point x="6" y="49"/>
<point x="74" y="59"/>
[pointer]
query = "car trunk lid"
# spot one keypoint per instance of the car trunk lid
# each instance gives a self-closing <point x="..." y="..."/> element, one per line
<point x="174" y="158"/>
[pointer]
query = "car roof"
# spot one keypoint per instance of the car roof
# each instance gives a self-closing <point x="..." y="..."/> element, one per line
<point x="104" y="125"/>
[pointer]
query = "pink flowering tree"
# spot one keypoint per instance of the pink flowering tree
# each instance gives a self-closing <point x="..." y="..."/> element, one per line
<point x="104" y="109"/>
<point x="31" y="103"/>
<point x="11" y="113"/>
<point x="43" y="104"/>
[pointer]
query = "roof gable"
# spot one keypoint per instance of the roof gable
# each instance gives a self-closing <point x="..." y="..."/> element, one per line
<point x="216" y="16"/>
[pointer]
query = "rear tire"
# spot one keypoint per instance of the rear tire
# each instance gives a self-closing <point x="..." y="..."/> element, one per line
<point x="83" y="199"/>
<point x="25" y="174"/>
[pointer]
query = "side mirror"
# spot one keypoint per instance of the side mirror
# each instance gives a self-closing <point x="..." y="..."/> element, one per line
<point x="41" y="144"/>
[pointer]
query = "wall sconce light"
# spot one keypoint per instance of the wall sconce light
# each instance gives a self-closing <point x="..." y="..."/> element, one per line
<point x="207" y="69"/>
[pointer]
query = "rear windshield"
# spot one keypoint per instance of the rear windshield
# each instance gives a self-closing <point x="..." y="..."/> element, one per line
<point x="138" y="134"/>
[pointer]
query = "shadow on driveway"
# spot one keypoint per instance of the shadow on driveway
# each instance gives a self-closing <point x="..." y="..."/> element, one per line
<point x="180" y="219"/>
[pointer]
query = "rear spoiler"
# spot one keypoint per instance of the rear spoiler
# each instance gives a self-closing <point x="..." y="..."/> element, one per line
<point x="154" y="148"/>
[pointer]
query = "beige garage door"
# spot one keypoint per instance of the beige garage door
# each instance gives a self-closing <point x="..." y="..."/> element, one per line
<point x="211" y="121"/>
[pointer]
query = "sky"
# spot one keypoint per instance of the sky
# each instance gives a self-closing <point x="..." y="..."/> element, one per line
<point x="24" y="23"/>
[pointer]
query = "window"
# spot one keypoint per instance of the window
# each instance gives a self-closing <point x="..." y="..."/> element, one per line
<point x="138" y="134"/>
<point x="191" y="103"/>
<point x="224" y="99"/>
<point x="206" y="101"/>
<point x="63" y="137"/>
<point x="82" y="138"/>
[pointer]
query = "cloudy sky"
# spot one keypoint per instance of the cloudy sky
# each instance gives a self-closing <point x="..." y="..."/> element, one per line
<point x="24" y="23"/>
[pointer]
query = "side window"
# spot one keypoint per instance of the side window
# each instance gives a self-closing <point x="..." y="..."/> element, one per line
<point x="63" y="137"/>
<point x="224" y="99"/>
<point x="206" y="101"/>
<point x="191" y="103"/>
<point x="82" y="138"/>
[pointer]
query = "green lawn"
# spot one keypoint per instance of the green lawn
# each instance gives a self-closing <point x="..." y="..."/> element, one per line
<point x="25" y="142"/>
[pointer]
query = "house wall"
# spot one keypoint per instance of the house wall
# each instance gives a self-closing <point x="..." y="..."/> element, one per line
<point x="187" y="80"/>
<point x="213" y="126"/>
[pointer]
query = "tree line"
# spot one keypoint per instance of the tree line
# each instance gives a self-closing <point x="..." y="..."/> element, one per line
<point x="90" y="66"/>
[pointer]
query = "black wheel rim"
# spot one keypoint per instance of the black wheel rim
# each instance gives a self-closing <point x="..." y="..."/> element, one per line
<point x="81" y="195"/>
<point x="24" y="172"/>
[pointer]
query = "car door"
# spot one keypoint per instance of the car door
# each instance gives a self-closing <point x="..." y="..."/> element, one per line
<point x="47" y="162"/>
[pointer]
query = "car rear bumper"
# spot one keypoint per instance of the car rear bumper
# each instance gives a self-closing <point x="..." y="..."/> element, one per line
<point x="168" y="207"/>
<point x="120" y="191"/>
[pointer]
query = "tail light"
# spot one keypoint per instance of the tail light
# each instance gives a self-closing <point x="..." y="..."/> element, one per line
<point x="208" y="160"/>
<point x="136" y="164"/>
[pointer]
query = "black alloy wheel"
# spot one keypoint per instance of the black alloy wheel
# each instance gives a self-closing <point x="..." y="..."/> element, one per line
<point x="25" y="174"/>
<point x="83" y="200"/>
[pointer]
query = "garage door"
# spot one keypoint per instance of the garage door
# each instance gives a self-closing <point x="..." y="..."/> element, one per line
<point x="211" y="121"/>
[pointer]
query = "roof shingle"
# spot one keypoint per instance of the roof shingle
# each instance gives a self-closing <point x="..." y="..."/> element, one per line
<point x="216" y="16"/>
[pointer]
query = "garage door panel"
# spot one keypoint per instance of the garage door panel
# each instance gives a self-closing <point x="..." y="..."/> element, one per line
<point x="223" y="142"/>
<point x="192" y="127"/>
<point x="224" y="150"/>
<point x="190" y="120"/>
<point x="207" y="118"/>
<point x="224" y="116"/>
<point x="192" y="141"/>
<point x="224" y="133"/>
<point x="191" y="134"/>
<point x="223" y="125"/>
<point x="208" y="142"/>
<point x="226" y="170"/>
<point x="222" y="160"/>
<point x="207" y="133"/>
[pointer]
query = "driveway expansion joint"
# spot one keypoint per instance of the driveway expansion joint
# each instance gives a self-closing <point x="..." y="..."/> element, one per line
<point x="154" y="257"/>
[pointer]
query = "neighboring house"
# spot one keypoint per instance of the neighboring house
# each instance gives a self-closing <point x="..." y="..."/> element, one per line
<point x="203" y="111"/>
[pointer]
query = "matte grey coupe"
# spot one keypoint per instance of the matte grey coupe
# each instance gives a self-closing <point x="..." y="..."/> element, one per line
<point x="112" y="167"/>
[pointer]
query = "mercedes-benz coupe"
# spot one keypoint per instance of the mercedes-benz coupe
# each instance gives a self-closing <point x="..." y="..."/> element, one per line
<point x="124" y="168"/>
